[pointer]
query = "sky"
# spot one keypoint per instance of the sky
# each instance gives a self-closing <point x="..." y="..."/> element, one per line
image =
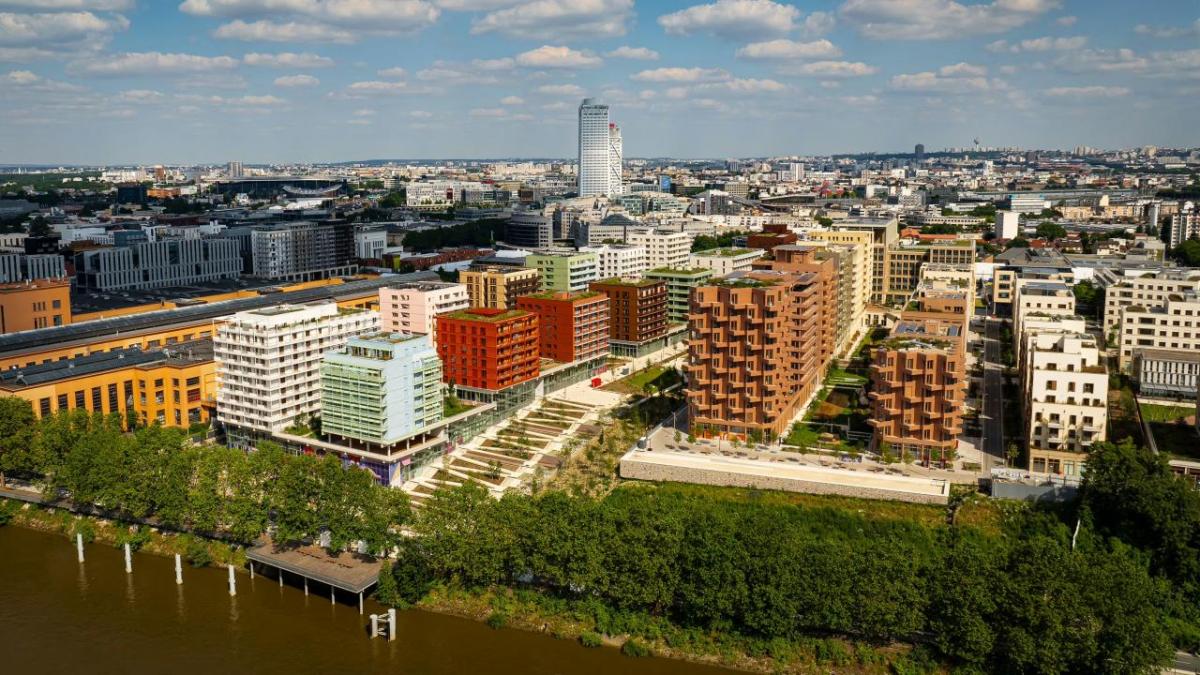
<point x="264" y="81"/>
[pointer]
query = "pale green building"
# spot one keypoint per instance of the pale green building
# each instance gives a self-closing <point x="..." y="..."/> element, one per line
<point x="680" y="283"/>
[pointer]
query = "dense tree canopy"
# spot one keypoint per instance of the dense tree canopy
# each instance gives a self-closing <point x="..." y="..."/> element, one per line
<point x="1050" y="230"/>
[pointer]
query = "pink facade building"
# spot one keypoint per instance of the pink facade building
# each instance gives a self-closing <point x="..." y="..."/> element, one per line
<point x="412" y="307"/>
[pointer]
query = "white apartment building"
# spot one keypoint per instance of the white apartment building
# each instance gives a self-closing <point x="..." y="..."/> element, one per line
<point x="1036" y="299"/>
<point x="595" y="150"/>
<point x="269" y="363"/>
<point x="663" y="249"/>
<point x="19" y="267"/>
<point x="1151" y="290"/>
<point x="858" y="245"/>
<point x="1174" y="325"/>
<point x="1065" y="387"/>
<point x="725" y="261"/>
<point x="1008" y="224"/>
<point x="370" y="243"/>
<point x="616" y="161"/>
<point x="413" y="307"/>
<point x="1183" y="225"/>
<point x="625" y="261"/>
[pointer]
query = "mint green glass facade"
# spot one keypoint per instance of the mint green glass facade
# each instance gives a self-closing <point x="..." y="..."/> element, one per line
<point x="680" y="283"/>
<point x="565" y="271"/>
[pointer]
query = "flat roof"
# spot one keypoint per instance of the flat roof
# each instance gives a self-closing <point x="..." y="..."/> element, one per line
<point x="98" y="329"/>
<point x="185" y="353"/>
<point x="352" y="572"/>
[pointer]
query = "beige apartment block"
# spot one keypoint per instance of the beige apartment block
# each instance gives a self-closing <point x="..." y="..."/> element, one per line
<point x="497" y="287"/>
<point x="1064" y="384"/>
<point x="1152" y="290"/>
<point x="1174" y="325"/>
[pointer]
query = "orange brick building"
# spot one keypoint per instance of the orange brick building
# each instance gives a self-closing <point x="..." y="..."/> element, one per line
<point x="823" y="266"/>
<point x="571" y="326"/>
<point x="39" y="303"/>
<point x="753" y="356"/>
<point x="637" y="308"/>
<point x="486" y="348"/>
<point x="918" y="388"/>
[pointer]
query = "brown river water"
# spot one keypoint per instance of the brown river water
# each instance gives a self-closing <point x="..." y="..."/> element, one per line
<point x="58" y="616"/>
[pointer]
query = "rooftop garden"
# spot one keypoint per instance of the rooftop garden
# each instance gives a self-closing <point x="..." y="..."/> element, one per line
<point x="725" y="252"/>
<point x="564" y="295"/>
<point x="744" y="283"/>
<point x="490" y="316"/>
<point x="680" y="270"/>
<point x="637" y="283"/>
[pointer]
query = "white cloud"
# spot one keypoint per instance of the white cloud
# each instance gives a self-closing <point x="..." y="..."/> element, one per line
<point x="291" y="31"/>
<point x="1088" y="92"/>
<point x="21" y="77"/>
<point x="939" y="19"/>
<point x="681" y="75"/>
<point x="67" y="5"/>
<point x="789" y="49"/>
<point x="1176" y="64"/>
<point x="1042" y="44"/>
<point x="296" y="81"/>
<point x="143" y="96"/>
<point x="394" y="73"/>
<point x="945" y="81"/>
<point x="420" y="114"/>
<point x="238" y="101"/>
<point x="634" y="53"/>
<point x="865" y="100"/>
<point x="58" y="30"/>
<point x="733" y="19"/>
<point x="151" y="63"/>
<point x="829" y="69"/>
<point x="443" y="72"/>
<point x="287" y="60"/>
<point x="745" y="86"/>
<point x="962" y="69"/>
<point x="558" y="20"/>
<point x="512" y="100"/>
<point x="364" y="112"/>
<point x="547" y="56"/>
<point x="1167" y="32"/>
<point x="314" y="20"/>
<point x="377" y="87"/>
<point x="488" y="112"/>
<point x="818" y="23"/>
<point x="561" y="89"/>
<point x="1066" y="20"/>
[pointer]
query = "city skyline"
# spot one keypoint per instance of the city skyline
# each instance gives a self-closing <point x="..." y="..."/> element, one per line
<point x="203" y="81"/>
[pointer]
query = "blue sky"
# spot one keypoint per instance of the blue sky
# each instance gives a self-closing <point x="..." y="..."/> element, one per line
<point x="184" y="81"/>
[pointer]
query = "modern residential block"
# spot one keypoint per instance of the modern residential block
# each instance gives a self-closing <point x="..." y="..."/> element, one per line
<point x="174" y="262"/>
<point x="498" y="287"/>
<point x="618" y="260"/>
<point x="571" y="326"/>
<point x="488" y="349"/>
<point x="411" y="307"/>
<point x="565" y="271"/>
<point x="1064" y="384"/>
<point x="269" y="362"/>
<point x="637" y="308"/>
<point x="680" y="282"/>
<point x="663" y="248"/>
<point x="38" y="303"/>
<point x="726" y="261"/>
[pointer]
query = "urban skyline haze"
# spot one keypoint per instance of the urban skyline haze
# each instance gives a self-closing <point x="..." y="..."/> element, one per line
<point x="201" y="81"/>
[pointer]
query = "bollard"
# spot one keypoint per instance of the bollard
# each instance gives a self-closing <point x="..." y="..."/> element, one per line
<point x="79" y="546"/>
<point x="128" y="561"/>
<point x="332" y="599"/>
<point x="251" y="569"/>
<point x="374" y="626"/>
<point x="391" y="624"/>
<point x="360" y="607"/>
<point x="178" y="569"/>
<point x="281" y="577"/>
<point x="306" y="587"/>
<point x="232" y="582"/>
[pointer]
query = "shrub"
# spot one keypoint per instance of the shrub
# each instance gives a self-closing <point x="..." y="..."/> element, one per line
<point x="196" y="552"/>
<point x="83" y="526"/>
<point x="591" y="639"/>
<point x="136" y="539"/>
<point x="634" y="647"/>
<point x="497" y="620"/>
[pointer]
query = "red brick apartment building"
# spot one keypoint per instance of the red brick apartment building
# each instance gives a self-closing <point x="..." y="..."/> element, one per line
<point x="753" y="355"/>
<point x="571" y="326"/>
<point x="637" y="308"/>
<point x="824" y="268"/>
<point x="488" y="349"/>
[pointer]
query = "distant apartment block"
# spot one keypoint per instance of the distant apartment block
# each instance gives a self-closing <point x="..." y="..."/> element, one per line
<point x="38" y="303"/>
<point x="1182" y="226"/>
<point x="753" y="358"/>
<point x="637" y="309"/>
<point x="726" y="261"/>
<point x="1150" y="290"/>
<point x="903" y="264"/>
<point x="663" y="249"/>
<point x="530" y="229"/>
<point x="571" y="326"/>
<point x="680" y="282"/>
<point x="1167" y="373"/>
<point x="1174" y="325"/>
<point x="618" y="260"/>
<point x="412" y="307"/>
<point x="269" y="362"/>
<point x="498" y="287"/>
<point x="489" y="349"/>
<point x="565" y="271"/>
<point x="175" y="262"/>
<point x="301" y="251"/>
<point x="381" y="389"/>
<point x="17" y="267"/>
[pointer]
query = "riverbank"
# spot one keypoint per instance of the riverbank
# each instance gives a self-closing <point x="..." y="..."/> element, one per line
<point x="641" y="635"/>
<point x="527" y="610"/>
<point x="197" y="551"/>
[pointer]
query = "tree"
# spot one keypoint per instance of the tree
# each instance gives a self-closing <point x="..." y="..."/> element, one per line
<point x="1018" y="242"/>
<point x="38" y="227"/>
<point x="1050" y="230"/>
<point x="1188" y="253"/>
<point x="16" y="436"/>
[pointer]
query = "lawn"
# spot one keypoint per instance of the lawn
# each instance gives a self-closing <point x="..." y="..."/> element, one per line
<point x="1165" y="413"/>
<point x="658" y="375"/>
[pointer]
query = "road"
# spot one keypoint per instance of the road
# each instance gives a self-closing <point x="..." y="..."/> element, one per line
<point x="992" y="419"/>
<point x="1185" y="663"/>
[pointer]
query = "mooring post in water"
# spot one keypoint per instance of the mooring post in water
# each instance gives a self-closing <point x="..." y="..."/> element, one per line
<point x="128" y="560"/>
<point x="332" y="599"/>
<point x="374" y="626"/>
<point x="79" y="546"/>
<point x="306" y="587"/>
<point x="281" y="577"/>
<point x="232" y="582"/>
<point x="391" y="624"/>
<point x="251" y="569"/>
<point x="360" y="608"/>
<point x="178" y="569"/>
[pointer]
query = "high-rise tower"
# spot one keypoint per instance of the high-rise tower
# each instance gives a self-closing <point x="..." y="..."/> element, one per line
<point x="595" y="152"/>
<point x="615" y="157"/>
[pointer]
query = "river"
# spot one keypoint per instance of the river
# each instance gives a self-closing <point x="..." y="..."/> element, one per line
<point x="58" y="616"/>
